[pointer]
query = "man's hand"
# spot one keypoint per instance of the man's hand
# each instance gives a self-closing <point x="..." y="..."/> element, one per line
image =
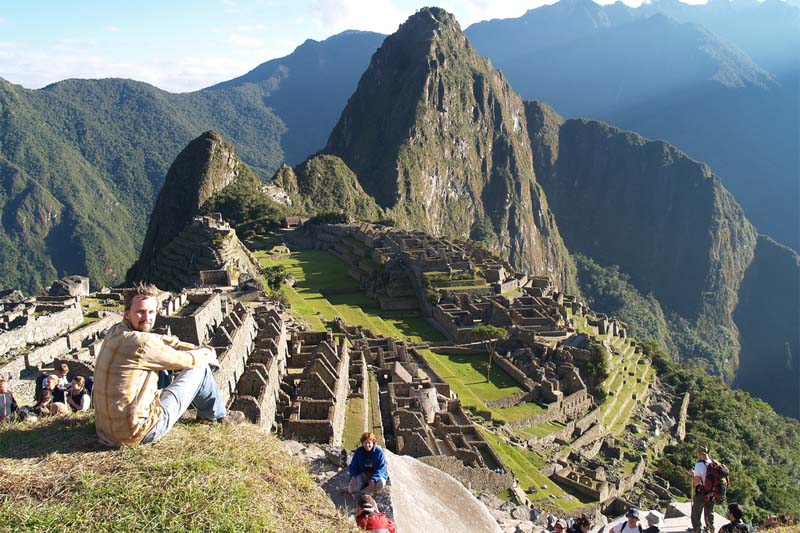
<point x="211" y="357"/>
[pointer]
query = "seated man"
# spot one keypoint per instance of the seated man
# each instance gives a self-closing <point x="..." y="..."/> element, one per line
<point x="77" y="396"/>
<point x="368" y="467"/>
<point x="129" y="407"/>
<point x="737" y="524"/>
<point x="8" y="405"/>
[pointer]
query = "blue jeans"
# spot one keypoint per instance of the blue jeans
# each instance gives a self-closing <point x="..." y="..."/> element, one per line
<point x="193" y="386"/>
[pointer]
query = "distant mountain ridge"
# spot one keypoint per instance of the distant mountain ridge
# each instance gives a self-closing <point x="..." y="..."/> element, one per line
<point x="81" y="161"/>
<point x="670" y="225"/>
<point x="683" y="73"/>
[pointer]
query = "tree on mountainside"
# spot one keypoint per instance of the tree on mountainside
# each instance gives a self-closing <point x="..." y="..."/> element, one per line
<point x="489" y="335"/>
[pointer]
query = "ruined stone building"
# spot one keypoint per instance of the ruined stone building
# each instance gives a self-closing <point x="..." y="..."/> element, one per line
<point x="315" y="387"/>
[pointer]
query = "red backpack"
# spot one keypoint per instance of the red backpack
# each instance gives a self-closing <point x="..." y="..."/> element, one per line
<point x="717" y="480"/>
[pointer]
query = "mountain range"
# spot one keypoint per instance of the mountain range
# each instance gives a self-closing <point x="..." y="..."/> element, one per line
<point x="719" y="81"/>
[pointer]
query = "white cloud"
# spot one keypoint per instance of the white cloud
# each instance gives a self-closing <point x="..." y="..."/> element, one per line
<point x="243" y="40"/>
<point x="36" y="69"/>
<point x="112" y="29"/>
<point x="335" y="16"/>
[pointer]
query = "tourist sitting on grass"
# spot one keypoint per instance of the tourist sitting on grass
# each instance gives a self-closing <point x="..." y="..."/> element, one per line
<point x="61" y="372"/>
<point x="53" y="400"/>
<point x="129" y="407"/>
<point x="369" y="517"/>
<point x="368" y="467"/>
<point x="8" y="405"/>
<point x="737" y="524"/>
<point x="581" y="525"/>
<point x="77" y="396"/>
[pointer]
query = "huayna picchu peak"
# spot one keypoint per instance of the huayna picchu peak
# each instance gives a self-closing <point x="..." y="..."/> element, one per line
<point x="179" y="244"/>
<point x="438" y="137"/>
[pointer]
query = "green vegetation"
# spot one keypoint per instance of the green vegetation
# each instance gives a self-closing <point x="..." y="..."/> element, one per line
<point x="489" y="336"/>
<point x="526" y="464"/>
<point x="246" y="208"/>
<point x="609" y="291"/>
<point x="467" y="378"/>
<point x="198" y="478"/>
<point x="82" y="160"/>
<point x="325" y="290"/>
<point x="758" y="445"/>
<point x="324" y="184"/>
<point x="353" y="423"/>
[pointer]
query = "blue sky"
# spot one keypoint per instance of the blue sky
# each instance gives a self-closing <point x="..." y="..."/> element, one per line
<point x="182" y="45"/>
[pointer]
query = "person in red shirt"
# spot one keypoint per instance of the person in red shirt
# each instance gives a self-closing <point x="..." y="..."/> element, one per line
<point x="369" y="518"/>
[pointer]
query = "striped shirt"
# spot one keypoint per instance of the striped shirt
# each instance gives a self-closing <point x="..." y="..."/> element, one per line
<point x="125" y="393"/>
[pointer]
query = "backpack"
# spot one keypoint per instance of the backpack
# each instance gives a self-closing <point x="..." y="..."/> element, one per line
<point x="625" y="525"/>
<point x="717" y="481"/>
<point x="37" y="391"/>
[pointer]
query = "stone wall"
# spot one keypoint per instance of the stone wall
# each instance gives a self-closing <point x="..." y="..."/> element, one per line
<point x="197" y="326"/>
<point x="476" y="479"/>
<point x="509" y="401"/>
<point x="39" y="329"/>
<point x="524" y="381"/>
<point x="91" y="332"/>
<point x="240" y="327"/>
<point x="40" y="356"/>
<point x="257" y="391"/>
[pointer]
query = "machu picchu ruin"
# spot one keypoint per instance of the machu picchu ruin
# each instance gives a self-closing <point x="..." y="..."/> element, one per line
<point x="479" y="270"/>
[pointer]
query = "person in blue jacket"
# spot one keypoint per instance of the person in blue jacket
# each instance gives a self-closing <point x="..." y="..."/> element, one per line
<point x="368" y="467"/>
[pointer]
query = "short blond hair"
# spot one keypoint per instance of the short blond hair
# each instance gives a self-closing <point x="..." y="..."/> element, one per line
<point x="141" y="289"/>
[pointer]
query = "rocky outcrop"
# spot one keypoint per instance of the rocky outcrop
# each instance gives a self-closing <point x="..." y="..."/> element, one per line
<point x="438" y="137"/>
<point x="205" y="167"/>
<point x="324" y="184"/>
<point x="666" y="220"/>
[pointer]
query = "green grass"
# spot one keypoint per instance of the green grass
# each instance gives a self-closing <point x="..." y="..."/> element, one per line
<point x="353" y="423"/>
<point x="526" y="464"/>
<point x="318" y="271"/>
<point x="198" y="478"/>
<point x="466" y="375"/>
<point x="540" y="430"/>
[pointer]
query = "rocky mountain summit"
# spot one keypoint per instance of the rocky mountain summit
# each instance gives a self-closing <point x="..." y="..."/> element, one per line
<point x="179" y="244"/>
<point x="438" y="137"/>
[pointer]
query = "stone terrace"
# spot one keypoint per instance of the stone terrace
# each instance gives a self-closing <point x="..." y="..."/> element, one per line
<point x="258" y="390"/>
<point x="315" y="387"/>
<point x="422" y="418"/>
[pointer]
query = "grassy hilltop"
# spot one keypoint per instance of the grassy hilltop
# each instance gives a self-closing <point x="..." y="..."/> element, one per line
<point x="55" y="476"/>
